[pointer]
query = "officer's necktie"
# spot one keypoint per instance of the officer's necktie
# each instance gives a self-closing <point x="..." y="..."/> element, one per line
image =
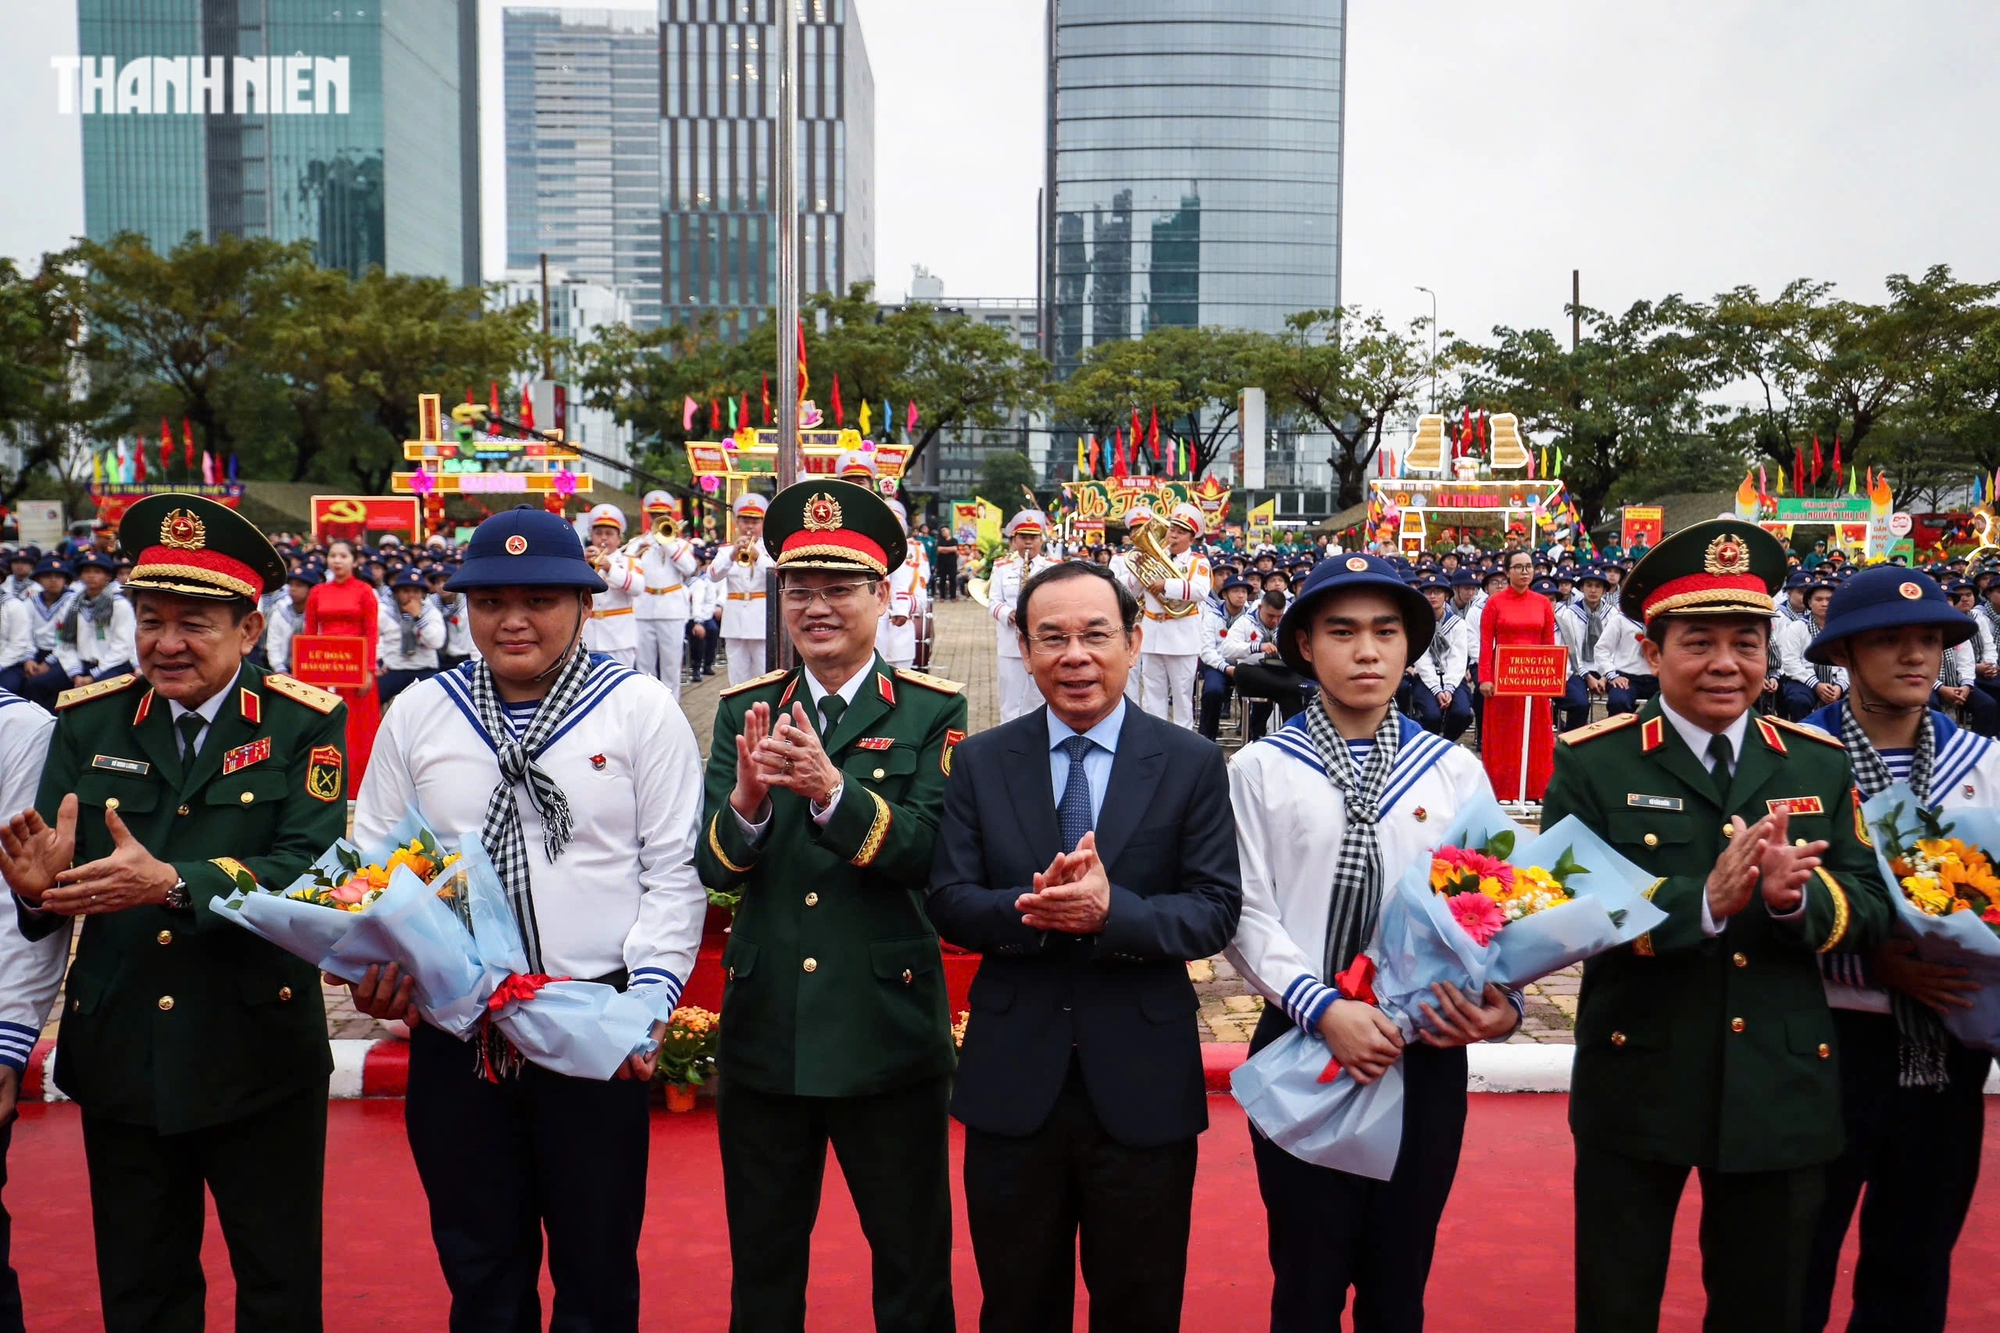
<point x="1074" y="811"/>
<point x="830" y="708"/>
<point x="1723" y="755"/>
<point x="190" y="727"/>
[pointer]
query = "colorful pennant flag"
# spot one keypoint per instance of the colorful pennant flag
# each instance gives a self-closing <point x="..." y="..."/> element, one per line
<point x="863" y="417"/>
<point x="839" y="412"/>
<point x="688" y="407"/>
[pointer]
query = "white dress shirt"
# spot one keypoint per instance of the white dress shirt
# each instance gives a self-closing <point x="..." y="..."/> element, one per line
<point x="208" y="709"/>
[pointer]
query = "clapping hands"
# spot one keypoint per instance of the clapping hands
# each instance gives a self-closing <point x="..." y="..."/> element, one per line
<point x="1072" y="896"/>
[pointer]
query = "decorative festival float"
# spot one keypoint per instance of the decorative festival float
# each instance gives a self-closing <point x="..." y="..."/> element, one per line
<point x="477" y="462"/>
<point x="1092" y="506"/>
<point x="728" y="467"/>
<point x="1437" y="499"/>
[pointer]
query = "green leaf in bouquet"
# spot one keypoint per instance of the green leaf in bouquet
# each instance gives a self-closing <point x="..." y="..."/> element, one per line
<point x="244" y="881"/>
<point x="1567" y="865"/>
<point x="724" y="899"/>
<point x="1935" y="829"/>
<point x="1617" y="916"/>
<point x="350" y="859"/>
<point x="1501" y="845"/>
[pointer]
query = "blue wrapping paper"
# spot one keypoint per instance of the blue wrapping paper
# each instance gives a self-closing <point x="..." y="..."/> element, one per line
<point x="1341" y="1125"/>
<point x="1961" y="939"/>
<point x="408" y="925"/>
<point x="582" y="1028"/>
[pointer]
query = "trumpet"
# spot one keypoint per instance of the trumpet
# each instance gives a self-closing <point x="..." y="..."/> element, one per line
<point x="746" y="552"/>
<point x="1154" y="565"/>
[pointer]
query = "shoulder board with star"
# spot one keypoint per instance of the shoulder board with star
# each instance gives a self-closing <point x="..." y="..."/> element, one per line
<point x="312" y="696"/>
<point x="1810" y="733"/>
<point x="755" y="683"/>
<point x="938" y="683"/>
<point x="83" y="694"/>
<point x="1601" y="727"/>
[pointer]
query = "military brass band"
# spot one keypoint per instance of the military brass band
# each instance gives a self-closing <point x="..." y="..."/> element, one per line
<point x="1772" y="1035"/>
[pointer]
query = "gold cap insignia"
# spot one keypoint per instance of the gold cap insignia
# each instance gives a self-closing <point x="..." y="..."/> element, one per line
<point x="1911" y="591"/>
<point x="822" y="513"/>
<point x="1727" y="555"/>
<point x="183" y="531"/>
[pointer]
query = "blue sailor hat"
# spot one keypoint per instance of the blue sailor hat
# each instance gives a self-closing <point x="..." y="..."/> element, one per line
<point x="1465" y="578"/>
<point x="1591" y="574"/>
<point x="1888" y="597"/>
<point x="1433" y="580"/>
<point x="1353" y="573"/>
<point x="53" y="564"/>
<point x="409" y="577"/>
<point x="1237" y="581"/>
<point x="525" y="547"/>
<point x="1545" y="586"/>
<point x="306" y="573"/>
<point x="97" y="560"/>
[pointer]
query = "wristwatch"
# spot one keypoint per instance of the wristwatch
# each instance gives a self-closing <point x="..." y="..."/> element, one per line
<point x="177" y="896"/>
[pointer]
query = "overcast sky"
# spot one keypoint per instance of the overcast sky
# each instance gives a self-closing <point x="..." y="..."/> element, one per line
<point x="1658" y="147"/>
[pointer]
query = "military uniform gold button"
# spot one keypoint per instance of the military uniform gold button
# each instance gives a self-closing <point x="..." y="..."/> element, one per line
<point x="1737" y="1025"/>
<point x="1652" y="840"/>
<point x="812" y="900"/>
<point x="247" y="797"/>
<point x="166" y="1003"/>
<point x="1617" y="1039"/>
<point x="1799" y="842"/>
<point x="906" y="976"/>
<point x="284" y="993"/>
<point x="111" y="803"/>
<point x="812" y="964"/>
<point x="165" y="937"/>
<point x="182" y="811"/>
<point x="1739" y="960"/>
<point x="1825" y="1050"/>
<point x="878" y="774"/>
<point x="1728" y="829"/>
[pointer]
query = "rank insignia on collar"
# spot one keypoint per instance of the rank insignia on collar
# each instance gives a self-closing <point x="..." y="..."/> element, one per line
<point x="256" y="752"/>
<point x="323" y="773"/>
<point x="875" y="743"/>
<point x="1653" y="734"/>
<point x="251" y="705"/>
<point x="1795" y="805"/>
<point x="888" y="690"/>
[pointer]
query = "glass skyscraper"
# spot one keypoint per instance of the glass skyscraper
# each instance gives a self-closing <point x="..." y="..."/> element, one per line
<point x="1194" y="166"/>
<point x="717" y="146"/>
<point x="370" y="151"/>
<point x="583" y="148"/>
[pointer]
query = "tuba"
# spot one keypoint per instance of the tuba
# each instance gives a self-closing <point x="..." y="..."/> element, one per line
<point x="1154" y="565"/>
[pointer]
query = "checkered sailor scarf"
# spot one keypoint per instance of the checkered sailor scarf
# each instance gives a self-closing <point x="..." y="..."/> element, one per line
<point x="1921" y="1039"/>
<point x="501" y="834"/>
<point x="1356" y="902"/>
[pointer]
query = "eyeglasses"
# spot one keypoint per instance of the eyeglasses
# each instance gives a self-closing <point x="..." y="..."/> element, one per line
<point x="1055" y="645"/>
<point x="837" y="596"/>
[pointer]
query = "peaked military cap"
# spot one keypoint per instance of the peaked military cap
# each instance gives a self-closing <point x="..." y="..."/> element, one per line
<point x="833" y="525"/>
<point x="192" y="546"/>
<point x="1723" y="567"/>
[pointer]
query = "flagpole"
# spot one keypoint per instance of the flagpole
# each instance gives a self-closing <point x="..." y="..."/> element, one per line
<point x="788" y="333"/>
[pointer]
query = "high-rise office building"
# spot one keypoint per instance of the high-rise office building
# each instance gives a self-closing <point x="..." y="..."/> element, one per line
<point x="583" y="148"/>
<point x="717" y="145"/>
<point x="353" y="127"/>
<point x="1194" y="166"/>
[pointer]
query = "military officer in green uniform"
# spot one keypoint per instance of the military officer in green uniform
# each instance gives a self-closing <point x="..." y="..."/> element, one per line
<point x="823" y="794"/>
<point x="1708" y="1043"/>
<point x="196" y="1051"/>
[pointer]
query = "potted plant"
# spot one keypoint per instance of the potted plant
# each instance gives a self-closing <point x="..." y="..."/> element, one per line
<point x="687" y="1054"/>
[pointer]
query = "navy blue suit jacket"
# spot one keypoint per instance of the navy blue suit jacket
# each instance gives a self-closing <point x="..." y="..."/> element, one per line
<point x="1121" y="999"/>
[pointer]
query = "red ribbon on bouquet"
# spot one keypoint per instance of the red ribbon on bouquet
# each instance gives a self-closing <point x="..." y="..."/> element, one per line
<point x="517" y="987"/>
<point x="1356" y="983"/>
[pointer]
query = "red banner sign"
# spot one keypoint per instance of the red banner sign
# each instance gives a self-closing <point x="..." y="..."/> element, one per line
<point x="331" y="660"/>
<point x="1521" y="670"/>
<point x="1636" y="521"/>
<point x="366" y="517"/>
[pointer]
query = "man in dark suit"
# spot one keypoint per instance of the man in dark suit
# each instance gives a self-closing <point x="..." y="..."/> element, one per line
<point x="1088" y="850"/>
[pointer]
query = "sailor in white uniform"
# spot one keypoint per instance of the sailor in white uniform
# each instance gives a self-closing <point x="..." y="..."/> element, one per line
<point x="1297" y="934"/>
<point x="744" y="569"/>
<point x="1137" y="516"/>
<point x="97" y="636"/>
<point x="453" y="609"/>
<point x="1170" y="650"/>
<point x="667" y="564"/>
<point x="610" y="756"/>
<point x="1017" y="690"/>
<point x="286" y="616"/>
<point x="612" y="631"/>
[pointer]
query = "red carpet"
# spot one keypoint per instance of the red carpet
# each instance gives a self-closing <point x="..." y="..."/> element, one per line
<point x="1503" y="1259"/>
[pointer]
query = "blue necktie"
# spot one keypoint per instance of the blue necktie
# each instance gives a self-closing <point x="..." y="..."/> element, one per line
<point x="1074" y="811"/>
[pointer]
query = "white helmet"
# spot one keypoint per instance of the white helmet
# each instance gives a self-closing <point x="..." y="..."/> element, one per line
<point x="607" y="513"/>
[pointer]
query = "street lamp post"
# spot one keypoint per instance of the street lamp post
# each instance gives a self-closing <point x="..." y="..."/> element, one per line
<point x="785" y="204"/>
<point x="1434" y="347"/>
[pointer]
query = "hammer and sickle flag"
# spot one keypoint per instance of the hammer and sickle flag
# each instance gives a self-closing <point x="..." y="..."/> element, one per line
<point x="323" y="773"/>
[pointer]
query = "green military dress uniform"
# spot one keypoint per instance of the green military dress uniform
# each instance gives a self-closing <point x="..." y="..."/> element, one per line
<point x="197" y="1051"/>
<point x="1711" y="1052"/>
<point x="835" y="1023"/>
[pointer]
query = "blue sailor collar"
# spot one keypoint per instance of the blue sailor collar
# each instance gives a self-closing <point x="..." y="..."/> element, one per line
<point x="1958" y="750"/>
<point x="606" y="675"/>
<point x="1418" y="751"/>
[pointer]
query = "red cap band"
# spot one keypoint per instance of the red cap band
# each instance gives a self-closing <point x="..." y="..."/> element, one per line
<point x="167" y="564"/>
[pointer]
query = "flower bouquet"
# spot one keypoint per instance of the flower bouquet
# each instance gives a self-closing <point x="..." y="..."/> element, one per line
<point x="359" y="907"/>
<point x="1947" y="896"/>
<point x="582" y="1028"/>
<point x="1492" y="904"/>
<point x="687" y="1054"/>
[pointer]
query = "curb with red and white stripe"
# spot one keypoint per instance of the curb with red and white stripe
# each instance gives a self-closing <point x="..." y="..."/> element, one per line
<point x="381" y="1068"/>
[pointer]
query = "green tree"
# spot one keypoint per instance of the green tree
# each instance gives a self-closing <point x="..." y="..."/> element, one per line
<point x="1003" y="475"/>
<point x="1625" y="406"/>
<point x="1350" y="374"/>
<point x="962" y="375"/>
<point x="1191" y="377"/>
<point x="49" y="403"/>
